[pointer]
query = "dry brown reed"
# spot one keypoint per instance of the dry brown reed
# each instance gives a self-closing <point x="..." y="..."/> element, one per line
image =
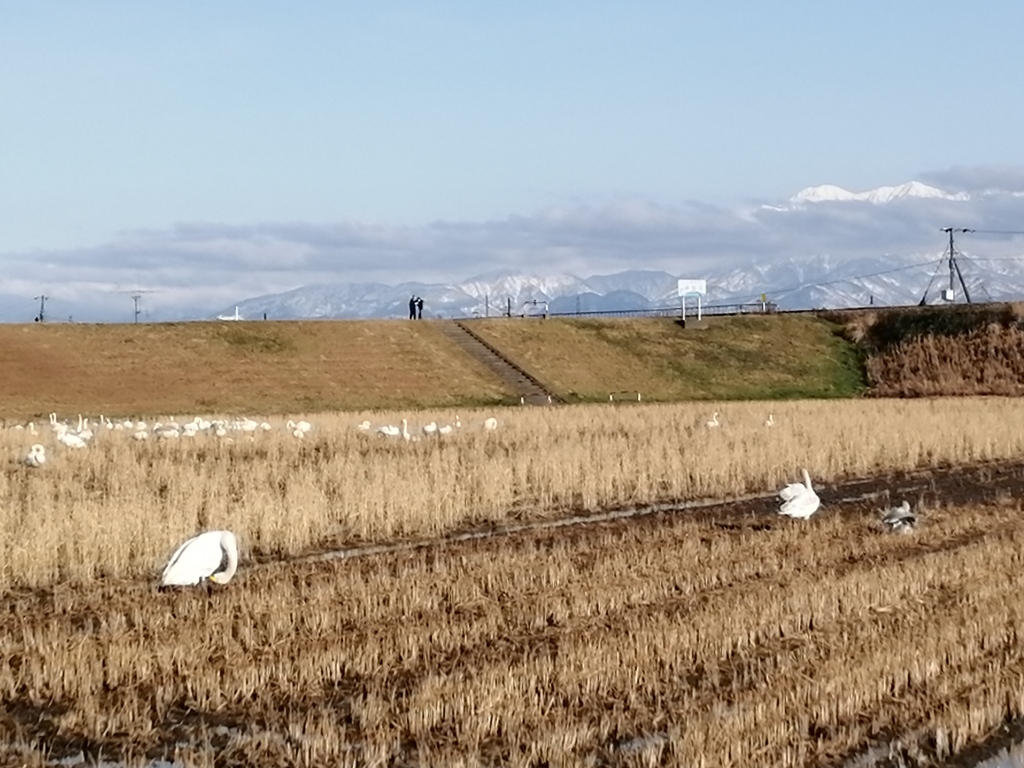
<point x="987" y="361"/>
<point x="118" y="508"/>
<point x="644" y="643"/>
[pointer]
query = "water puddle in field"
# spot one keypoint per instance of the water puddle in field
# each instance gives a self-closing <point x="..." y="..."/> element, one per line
<point x="880" y="755"/>
<point x="1009" y="758"/>
<point x="874" y="757"/>
<point x="74" y="761"/>
<point x="902" y="753"/>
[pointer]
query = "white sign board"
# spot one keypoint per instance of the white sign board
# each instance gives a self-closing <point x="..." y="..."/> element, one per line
<point x="690" y="287"/>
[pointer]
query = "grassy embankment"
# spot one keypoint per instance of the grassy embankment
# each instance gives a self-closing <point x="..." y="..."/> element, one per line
<point x="251" y="368"/>
<point x="288" y="367"/>
<point x="735" y="358"/>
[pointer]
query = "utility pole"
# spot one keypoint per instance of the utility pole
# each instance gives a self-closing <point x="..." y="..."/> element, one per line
<point x="42" y="308"/>
<point x="953" y="266"/>
<point x="136" y="298"/>
<point x="955" y="275"/>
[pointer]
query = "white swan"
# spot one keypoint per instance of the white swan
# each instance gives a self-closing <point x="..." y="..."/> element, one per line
<point x="212" y="555"/>
<point x="70" y="440"/>
<point x="36" y="456"/>
<point x="430" y="429"/>
<point x="363" y="426"/>
<point x="900" y="519"/>
<point x="714" y="422"/>
<point x="389" y="430"/>
<point x="770" y="421"/>
<point x="490" y="423"/>
<point x="83" y="429"/>
<point x="303" y="426"/>
<point x="799" y="499"/>
<point x="444" y="429"/>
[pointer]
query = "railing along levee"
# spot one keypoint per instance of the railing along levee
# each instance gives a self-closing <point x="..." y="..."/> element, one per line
<point x="749" y="308"/>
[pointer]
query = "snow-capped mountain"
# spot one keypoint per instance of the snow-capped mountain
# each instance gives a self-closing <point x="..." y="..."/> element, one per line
<point x="878" y="196"/>
<point x="493" y="294"/>
<point x="815" y="282"/>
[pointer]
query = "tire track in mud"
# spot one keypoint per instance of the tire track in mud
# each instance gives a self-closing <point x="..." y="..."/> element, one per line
<point x="982" y="483"/>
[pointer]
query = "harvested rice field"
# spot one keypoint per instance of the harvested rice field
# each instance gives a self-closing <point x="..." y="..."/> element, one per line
<point x="510" y="623"/>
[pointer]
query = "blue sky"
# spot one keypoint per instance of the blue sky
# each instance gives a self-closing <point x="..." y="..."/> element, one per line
<point x="125" y="118"/>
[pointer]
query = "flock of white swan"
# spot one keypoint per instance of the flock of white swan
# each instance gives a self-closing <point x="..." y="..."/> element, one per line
<point x="80" y="436"/>
<point x="212" y="557"/>
<point x="430" y="429"/>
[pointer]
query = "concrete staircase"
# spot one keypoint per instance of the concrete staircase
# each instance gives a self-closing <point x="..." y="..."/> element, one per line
<point x="525" y="386"/>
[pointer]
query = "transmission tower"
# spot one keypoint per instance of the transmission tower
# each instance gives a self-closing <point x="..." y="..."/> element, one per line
<point x="42" y="308"/>
<point x="955" y="275"/>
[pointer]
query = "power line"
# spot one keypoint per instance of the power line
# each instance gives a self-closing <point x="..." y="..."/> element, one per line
<point x="824" y="283"/>
<point x="996" y="231"/>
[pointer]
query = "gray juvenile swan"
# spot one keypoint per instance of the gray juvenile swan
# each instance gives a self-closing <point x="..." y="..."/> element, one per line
<point x="899" y="519"/>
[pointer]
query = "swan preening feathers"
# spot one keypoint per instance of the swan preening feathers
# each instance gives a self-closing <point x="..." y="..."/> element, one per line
<point x="209" y="556"/>
<point x="36" y="456"/>
<point x="799" y="499"/>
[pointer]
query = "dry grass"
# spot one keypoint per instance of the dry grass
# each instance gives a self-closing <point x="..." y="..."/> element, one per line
<point x="751" y="357"/>
<point x="982" y="362"/>
<point x="274" y="367"/>
<point x="940" y="351"/>
<point x="666" y="642"/>
<point x="118" y="508"/>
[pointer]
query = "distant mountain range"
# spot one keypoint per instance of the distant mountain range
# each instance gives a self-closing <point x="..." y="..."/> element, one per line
<point x="792" y="284"/>
<point x="825" y="246"/>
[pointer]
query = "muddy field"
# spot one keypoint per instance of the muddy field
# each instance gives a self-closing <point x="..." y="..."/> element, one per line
<point x="723" y="635"/>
